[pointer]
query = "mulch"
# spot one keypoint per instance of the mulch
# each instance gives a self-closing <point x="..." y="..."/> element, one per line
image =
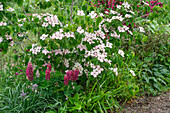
<point x="157" y="104"/>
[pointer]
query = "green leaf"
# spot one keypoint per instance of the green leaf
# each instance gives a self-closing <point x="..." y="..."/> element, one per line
<point x="153" y="78"/>
<point x="148" y="70"/>
<point x="77" y="107"/>
<point x="68" y="1"/>
<point x="16" y="57"/>
<point x="146" y="79"/>
<point x="156" y="86"/>
<point x="51" y="111"/>
<point x="159" y="79"/>
<point x="158" y="74"/>
<point x="20" y="2"/>
<point x="76" y="97"/>
<point x="145" y="38"/>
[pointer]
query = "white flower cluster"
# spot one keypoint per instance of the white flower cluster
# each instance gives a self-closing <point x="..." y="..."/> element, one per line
<point x="92" y="14"/>
<point x="57" y="35"/>
<point x="1" y="7"/>
<point x="101" y="34"/>
<point x="10" y="9"/>
<point x="79" y="67"/>
<point x="98" y="52"/>
<point x="141" y="29"/>
<point x="121" y="53"/>
<point x="128" y="16"/>
<point x="132" y="72"/>
<point x="123" y="29"/>
<point x="89" y="37"/>
<point x="115" y="35"/>
<point x="49" y="19"/>
<point x="61" y="52"/>
<point x="37" y="74"/>
<point x="1" y="39"/>
<point x="80" y="13"/>
<point x="3" y="23"/>
<point x="8" y="37"/>
<point x="60" y="35"/>
<point x="96" y="70"/>
<point x="44" y="36"/>
<point x="82" y="47"/>
<point x="20" y="34"/>
<point x="115" y="70"/>
<point x="118" y="17"/>
<point x="80" y="30"/>
<point x="126" y="5"/>
<point x="108" y="44"/>
<point x="86" y="72"/>
<point x="45" y="51"/>
<point x="68" y="34"/>
<point x="66" y="62"/>
<point x="20" y="25"/>
<point x="35" y="50"/>
<point x="145" y="3"/>
<point x="23" y="19"/>
<point x="38" y="16"/>
<point x="118" y="6"/>
<point x="52" y="20"/>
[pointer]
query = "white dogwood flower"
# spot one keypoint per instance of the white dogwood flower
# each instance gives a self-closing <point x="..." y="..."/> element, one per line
<point x="141" y="29"/>
<point x="133" y="73"/>
<point x="80" y="13"/>
<point x="121" y="53"/>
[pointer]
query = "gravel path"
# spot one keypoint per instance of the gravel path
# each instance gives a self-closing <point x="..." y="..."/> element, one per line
<point x="158" y="104"/>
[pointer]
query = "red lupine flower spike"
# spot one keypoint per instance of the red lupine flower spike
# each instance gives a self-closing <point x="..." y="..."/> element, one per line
<point x="49" y="66"/>
<point x="66" y="79"/>
<point x="47" y="76"/>
<point x="29" y="71"/>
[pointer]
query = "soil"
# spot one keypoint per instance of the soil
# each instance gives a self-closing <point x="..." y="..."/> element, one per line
<point x="157" y="104"/>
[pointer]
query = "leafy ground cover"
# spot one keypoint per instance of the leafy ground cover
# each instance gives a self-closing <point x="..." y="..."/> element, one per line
<point x="82" y="56"/>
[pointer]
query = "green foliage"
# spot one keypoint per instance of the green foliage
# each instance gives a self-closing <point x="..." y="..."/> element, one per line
<point x="147" y="54"/>
<point x="11" y="100"/>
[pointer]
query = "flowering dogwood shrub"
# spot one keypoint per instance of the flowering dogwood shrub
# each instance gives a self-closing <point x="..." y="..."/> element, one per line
<point x="84" y="45"/>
